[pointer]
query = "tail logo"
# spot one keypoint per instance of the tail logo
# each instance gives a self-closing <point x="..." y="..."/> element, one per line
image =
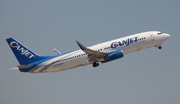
<point x="13" y="44"/>
<point x="114" y="45"/>
<point x="23" y="50"/>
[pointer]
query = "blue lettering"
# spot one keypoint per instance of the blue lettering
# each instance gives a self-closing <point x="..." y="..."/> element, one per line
<point x="131" y="40"/>
<point x="120" y="44"/>
<point x="124" y="42"/>
<point x="136" y="38"/>
<point x="127" y="42"/>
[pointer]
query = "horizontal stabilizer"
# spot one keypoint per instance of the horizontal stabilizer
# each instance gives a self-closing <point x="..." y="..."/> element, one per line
<point x="57" y="51"/>
<point x="24" y="66"/>
<point x="16" y="68"/>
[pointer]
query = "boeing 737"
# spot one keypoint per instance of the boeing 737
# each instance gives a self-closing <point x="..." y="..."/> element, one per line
<point x="100" y="53"/>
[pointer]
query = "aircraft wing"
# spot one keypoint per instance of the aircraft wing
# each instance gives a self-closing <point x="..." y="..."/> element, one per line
<point x="92" y="54"/>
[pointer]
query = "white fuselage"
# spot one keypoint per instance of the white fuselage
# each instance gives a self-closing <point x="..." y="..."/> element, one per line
<point x="78" y="58"/>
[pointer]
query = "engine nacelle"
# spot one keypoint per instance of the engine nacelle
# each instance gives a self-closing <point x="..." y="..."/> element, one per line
<point x="114" y="55"/>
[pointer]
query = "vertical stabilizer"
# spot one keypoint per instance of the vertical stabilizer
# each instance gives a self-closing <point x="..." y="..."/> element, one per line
<point x="22" y="53"/>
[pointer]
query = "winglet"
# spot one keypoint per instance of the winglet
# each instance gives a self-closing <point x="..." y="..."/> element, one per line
<point x="80" y="45"/>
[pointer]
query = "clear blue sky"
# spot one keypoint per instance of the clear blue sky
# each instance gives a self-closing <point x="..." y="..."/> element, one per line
<point x="149" y="76"/>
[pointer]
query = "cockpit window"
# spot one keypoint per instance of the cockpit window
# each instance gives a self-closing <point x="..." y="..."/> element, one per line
<point x="159" y="33"/>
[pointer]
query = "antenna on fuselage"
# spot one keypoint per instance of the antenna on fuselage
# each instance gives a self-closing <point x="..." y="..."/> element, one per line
<point x="55" y="50"/>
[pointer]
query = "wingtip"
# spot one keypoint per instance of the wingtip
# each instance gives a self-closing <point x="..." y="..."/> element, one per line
<point x="77" y="41"/>
<point x="80" y="45"/>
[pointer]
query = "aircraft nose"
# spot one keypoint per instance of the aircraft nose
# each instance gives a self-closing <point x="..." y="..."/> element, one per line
<point x="166" y="36"/>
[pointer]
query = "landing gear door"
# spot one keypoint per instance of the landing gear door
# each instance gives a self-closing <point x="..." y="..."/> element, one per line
<point x="152" y="37"/>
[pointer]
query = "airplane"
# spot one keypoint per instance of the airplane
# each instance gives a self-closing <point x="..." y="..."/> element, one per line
<point x="100" y="53"/>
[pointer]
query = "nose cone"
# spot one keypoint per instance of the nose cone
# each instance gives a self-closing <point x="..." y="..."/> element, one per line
<point x="166" y="36"/>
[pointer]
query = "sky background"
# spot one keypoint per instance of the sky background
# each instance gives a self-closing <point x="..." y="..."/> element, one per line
<point x="150" y="76"/>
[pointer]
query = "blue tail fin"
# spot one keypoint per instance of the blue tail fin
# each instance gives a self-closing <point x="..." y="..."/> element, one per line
<point x="22" y="53"/>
